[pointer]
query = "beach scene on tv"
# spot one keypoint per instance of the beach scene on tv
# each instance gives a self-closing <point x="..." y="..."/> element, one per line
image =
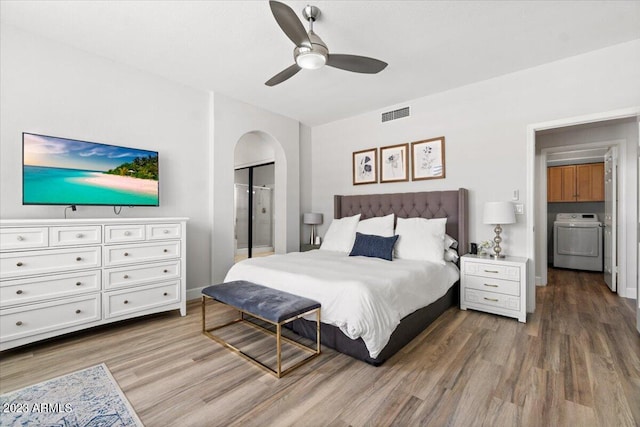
<point x="69" y="172"/>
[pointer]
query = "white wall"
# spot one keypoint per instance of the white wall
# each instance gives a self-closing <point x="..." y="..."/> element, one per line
<point x="232" y="120"/>
<point x="253" y="149"/>
<point x="51" y="89"/>
<point x="485" y="128"/>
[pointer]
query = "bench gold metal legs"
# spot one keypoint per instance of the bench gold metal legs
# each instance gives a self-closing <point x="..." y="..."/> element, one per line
<point x="278" y="372"/>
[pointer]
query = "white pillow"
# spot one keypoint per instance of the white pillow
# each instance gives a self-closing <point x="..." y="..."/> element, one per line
<point x="378" y="226"/>
<point x="450" y="242"/>
<point x="421" y="239"/>
<point x="451" y="255"/>
<point x="341" y="234"/>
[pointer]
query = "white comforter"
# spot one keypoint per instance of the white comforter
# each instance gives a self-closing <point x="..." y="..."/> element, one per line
<point x="365" y="297"/>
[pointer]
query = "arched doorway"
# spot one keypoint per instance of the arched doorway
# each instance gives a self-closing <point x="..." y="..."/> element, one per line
<point x="255" y="201"/>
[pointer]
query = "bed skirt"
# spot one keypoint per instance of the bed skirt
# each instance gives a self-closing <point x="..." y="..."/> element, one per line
<point x="409" y="328"/>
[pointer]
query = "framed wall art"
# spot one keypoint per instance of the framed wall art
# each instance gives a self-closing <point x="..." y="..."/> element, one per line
<point x="394" y="163"/>
<point x="365" y="166"/>
<point x="427" y="159"/>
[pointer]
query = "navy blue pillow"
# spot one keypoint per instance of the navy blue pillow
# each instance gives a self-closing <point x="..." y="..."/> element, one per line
<point x="374" y="246"/>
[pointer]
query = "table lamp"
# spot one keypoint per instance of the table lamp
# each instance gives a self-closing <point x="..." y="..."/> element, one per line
<point x="312" y="219"/>
<point x="498" y="213"/>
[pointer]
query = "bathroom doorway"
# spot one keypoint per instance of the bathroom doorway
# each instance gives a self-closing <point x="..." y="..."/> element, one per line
<point x="254" y="188"/>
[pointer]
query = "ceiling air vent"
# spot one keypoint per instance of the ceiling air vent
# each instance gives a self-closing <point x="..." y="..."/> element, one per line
<point x="395" y="114"/>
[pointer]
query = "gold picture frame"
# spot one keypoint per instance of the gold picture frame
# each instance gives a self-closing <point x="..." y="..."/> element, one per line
<point x="365" y="166"/>
<point x="394" y="163"/>
<point x="428" y="159"/>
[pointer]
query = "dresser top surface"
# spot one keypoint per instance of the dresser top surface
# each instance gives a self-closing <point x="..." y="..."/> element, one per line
<point x="86" y="221"/>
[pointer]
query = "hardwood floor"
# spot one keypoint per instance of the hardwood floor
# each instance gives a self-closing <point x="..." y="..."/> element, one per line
<point x="576" y="362"/>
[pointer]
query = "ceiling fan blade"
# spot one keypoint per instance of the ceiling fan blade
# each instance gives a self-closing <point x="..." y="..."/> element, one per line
<point x="283" y="75"/>
<point x="290" y="24"/>
<point x="355" y="63"/>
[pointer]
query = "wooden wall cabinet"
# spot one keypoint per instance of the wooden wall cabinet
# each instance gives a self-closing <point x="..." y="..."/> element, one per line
<point x="576" y="183"/>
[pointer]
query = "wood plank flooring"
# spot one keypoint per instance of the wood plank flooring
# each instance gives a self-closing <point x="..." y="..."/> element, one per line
<point x="576" y="362"/>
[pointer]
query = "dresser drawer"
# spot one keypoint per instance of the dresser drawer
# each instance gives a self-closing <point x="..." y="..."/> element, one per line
<point x="127" y="302"/>
<point x="163" y="231"/>
<point x="24" y="238"/>
<point x="44" y="317"/>
<point x="40" y="288"/>
<point x="505" y="272"/>
<point x="18" y="264"/>
<point x="124" y="233"/>
<point x="120" y="277"/>
<point x="65" y="236"/>
<point x="143" y="252"/>
<point x="490" y="299"/>
<point x="490" y="284"/>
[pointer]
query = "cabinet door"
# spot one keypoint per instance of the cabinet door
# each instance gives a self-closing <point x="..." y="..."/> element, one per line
<point x="561" y="184"/>
<point x="590" y="182"/>
<point x="554" y="184"/>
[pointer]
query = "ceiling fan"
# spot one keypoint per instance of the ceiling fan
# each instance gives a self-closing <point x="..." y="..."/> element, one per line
<point x="311" y="53"/>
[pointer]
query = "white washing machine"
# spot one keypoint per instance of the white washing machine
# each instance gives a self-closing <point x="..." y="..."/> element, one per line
<point x="577" y="241"/>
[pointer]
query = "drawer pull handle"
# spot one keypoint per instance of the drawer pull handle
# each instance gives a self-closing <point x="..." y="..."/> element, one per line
<point x="19" y="264"/>
<point x="166" y="231"/>
<point x="166" y="250"/>
<point x="19" y="323"/>
<point x="126" y="254"/>
<point x="127" y="233"/>
<point x="492" y="271"/>
<point x="79" y="258"/>
<point x="491" y="299"/>
<point x="126" y="276"/>
<point x="78" y="311"/>
<point x="19" y="292"/>
<point x="78" y="283"/>
<point x="79" y="236"/>
<point x="165" y="294"/>
<point x="493" y="286"/>
<point x="20" y="238"/>
<point x="126" y="301"/>
<point x="166" y="271"/>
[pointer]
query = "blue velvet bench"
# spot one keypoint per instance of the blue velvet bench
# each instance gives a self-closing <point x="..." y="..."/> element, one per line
<point x="269" y="305"/>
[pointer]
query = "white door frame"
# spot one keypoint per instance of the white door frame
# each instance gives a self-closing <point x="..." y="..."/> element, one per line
<point x="531" y="182"/>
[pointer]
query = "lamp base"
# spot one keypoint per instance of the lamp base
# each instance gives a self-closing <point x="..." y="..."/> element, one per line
<point x="497" y="256"/>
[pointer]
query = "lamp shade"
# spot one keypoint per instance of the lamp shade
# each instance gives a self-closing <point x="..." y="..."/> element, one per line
<point x="312" y="218"/>
<point x="499" y="213"/>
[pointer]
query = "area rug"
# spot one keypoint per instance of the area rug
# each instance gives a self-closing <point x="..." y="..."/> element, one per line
<point x="87" y="398"/>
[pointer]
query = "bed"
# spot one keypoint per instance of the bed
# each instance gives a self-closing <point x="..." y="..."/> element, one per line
<point x="332" y="278"/>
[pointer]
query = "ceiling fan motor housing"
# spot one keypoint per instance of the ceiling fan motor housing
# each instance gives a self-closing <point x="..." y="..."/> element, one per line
<point x="311" y="57"/>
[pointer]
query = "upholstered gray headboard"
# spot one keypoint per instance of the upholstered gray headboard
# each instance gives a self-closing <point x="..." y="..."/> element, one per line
<point x="426" y="204"/>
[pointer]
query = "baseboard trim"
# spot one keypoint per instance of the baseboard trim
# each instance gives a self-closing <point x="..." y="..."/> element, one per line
<point x="195" y="293"/>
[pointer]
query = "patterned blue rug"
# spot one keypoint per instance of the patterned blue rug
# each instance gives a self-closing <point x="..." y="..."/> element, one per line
<point x="87" y="398"/>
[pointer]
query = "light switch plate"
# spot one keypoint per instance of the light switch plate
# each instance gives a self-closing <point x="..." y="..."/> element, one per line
<point x="520" y="208"/>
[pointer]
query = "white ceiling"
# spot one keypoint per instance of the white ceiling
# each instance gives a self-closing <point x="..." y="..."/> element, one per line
<point x="233" y="47"/>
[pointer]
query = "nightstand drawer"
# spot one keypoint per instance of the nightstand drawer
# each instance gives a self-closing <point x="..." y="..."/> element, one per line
<point x="506" y="272"/>
<point x="490" y="284"/>
<point x="491" y="299"/>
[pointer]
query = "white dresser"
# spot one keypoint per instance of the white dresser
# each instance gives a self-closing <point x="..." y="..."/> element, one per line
<point x="496" y="286"/>
<point x="59" y="276"/>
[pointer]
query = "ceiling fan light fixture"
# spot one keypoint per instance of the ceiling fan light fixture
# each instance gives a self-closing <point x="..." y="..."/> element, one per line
<point x="311" y="60"/>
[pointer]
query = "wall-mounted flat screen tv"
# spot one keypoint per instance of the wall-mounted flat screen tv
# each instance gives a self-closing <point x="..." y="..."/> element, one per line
<point x="61" y="171"/>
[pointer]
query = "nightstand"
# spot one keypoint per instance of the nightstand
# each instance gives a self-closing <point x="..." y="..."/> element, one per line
<point x="497" y="286"/>
<point x="304" y="247"/>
